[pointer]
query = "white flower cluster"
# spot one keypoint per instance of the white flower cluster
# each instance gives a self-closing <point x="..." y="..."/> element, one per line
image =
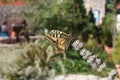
<point x="88" y="56"/>
<point x="92" y="60"/>
<point x="112" y="74"/>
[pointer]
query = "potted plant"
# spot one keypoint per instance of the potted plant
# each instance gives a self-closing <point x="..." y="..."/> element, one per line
<point x="116" y="53"/>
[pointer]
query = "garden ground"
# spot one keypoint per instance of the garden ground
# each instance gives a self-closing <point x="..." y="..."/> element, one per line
<point x="9" y="53"/>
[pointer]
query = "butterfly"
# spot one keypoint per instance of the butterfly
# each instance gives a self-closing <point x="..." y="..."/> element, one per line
<point x="59" y="39"/>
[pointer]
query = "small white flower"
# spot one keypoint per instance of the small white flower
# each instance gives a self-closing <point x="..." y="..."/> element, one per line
<point x="83" y="52"/>
<point x="98" y="61"/>
<point x="113" y="72"/>
<point x="85" y="57"/>
<point x="93" y="56"/>
<point x="101" y="67"/>
<point x="80" y="44"/>
<point x="94" y="65"/>
<point x="89" y="61"/>
<point x="77" y="45"/>
<point x="87" y="54"/>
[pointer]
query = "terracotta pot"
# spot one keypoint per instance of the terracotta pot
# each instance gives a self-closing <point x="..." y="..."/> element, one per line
<point x="109" y="51"/>
<point x="118" y="69"/>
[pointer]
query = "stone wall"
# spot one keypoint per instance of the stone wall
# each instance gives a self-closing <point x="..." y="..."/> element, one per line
<point x="11" y="13"/>
<point x="96" y="5"/>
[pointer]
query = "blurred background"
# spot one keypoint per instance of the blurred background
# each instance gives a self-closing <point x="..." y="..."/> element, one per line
<point x="96" y="23"/>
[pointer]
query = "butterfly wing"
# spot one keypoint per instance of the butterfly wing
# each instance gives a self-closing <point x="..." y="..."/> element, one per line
<point x="60" y="40"/>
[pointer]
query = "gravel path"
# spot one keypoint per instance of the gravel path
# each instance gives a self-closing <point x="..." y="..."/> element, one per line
<point x="79" y="77"/>
<point x="8" y="54"/>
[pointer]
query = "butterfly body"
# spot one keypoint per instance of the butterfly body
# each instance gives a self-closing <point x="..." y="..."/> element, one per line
<point x="59" y="39"/>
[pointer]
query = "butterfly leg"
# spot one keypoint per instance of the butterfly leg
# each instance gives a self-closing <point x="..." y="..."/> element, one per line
<point x="56" y="49"/>
<point x="64" y="56"/>
<point x="62" y="47"/>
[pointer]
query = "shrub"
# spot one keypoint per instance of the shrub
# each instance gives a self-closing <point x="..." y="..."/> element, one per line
<point x="116" y="52"/>
<point x="33" y="63"/>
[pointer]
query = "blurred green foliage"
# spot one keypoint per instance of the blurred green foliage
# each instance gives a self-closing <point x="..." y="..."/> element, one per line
<point x="108" y="25"/>
<point x="68" y="16"/>
<point x="6" y="1"/>
<point x="65" y="15"/>
<point x="116" y="52"/>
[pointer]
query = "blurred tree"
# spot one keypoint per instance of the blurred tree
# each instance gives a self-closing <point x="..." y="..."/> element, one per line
<point x="64" y="15"/>
<point x="116" y="52"/>
<point x="108" y="25"/>
<point x="6" y="1"/>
